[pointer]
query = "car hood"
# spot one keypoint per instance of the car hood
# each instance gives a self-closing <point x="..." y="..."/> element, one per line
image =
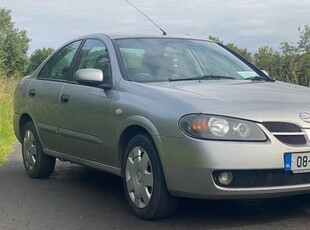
<point x="258" y="101"/>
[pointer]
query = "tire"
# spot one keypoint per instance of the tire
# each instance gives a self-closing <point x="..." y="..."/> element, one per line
<point x="144" y="182"/>
<point x="37" y="164"/>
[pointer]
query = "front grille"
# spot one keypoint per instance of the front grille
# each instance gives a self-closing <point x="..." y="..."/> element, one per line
<point x="282" y="127"/>
<point x="287" y="133"/>
<point x="263" y="178"/>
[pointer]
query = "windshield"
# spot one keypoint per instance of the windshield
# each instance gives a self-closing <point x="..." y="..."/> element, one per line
<point x="165" y="59"/>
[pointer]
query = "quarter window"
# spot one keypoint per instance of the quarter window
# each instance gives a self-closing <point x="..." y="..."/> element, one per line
<point x="58" y="66"/>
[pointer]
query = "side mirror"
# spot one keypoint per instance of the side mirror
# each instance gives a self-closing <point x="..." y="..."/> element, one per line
<point x="89" y="76"/>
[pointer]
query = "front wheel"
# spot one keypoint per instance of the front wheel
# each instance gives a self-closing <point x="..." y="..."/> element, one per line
<point x="144" y="181"/>
<point x="37" y="164"/>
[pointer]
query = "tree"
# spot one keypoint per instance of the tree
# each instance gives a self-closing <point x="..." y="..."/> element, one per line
<point x="243" y="52"/>
<point x="305" y="77"/>
<point x="37" y="57"/>
<point x="304" y="42"/>
<point x="304" y="50"/>
<point x="215" y="39"/>
<point x="295" y="59"/>
<point x="14" y="45"/>
<point x="269" y="60"/>
<point x="290" y="64"/>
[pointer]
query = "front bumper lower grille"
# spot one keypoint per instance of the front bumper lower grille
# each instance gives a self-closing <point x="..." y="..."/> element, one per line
<point x="263" y="178"/>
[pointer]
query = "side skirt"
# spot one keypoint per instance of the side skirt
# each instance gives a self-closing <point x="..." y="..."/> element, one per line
<point x="81" y="161"/>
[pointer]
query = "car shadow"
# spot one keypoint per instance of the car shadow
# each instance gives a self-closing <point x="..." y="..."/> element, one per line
<point x="107" y="191"/>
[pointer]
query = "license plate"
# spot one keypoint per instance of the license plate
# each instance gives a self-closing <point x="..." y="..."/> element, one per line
<point x="297" y="162"/>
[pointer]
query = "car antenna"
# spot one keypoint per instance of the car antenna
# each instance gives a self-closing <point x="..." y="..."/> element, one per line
<point x="164" y="32"/>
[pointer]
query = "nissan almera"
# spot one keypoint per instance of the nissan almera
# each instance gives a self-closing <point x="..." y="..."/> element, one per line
<point x="174" y="117"/>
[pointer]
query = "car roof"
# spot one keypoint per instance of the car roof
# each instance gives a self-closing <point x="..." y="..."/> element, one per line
<point x="121" y="36"/>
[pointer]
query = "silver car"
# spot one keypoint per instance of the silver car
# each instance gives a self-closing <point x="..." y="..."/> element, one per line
<point x="174" y="117"/>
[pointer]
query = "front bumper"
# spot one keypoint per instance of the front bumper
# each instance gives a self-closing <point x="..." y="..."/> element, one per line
<point x="190" y="165"/>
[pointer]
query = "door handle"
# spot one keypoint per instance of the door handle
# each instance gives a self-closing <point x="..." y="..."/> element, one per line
<point x="64" y="98"/>
<point x="32" y="93"/>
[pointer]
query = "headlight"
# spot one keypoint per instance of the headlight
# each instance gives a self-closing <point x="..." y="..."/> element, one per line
<point x="220" y="128"/>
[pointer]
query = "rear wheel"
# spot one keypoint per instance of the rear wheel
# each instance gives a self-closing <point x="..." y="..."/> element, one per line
<point x="144" y="181"/>
<point x="37" y="164"/>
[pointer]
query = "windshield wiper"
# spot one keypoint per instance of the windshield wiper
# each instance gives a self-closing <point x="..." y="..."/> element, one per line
<point x="256" y="78"/>
<point x="204" y="77"/>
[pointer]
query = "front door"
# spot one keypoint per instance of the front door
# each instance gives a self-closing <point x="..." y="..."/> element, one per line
<point x="85" y="110"/>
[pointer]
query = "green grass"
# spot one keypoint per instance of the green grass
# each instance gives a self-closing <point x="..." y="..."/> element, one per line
<point x="7" y="138"/>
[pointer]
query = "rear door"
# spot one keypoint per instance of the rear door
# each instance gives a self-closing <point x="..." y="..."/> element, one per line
<point x="44" y="92"/>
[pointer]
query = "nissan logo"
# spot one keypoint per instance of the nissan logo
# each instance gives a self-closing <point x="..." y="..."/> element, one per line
<point x="305" y="116"/>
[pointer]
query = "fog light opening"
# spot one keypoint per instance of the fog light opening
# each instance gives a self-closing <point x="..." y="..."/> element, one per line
<point x="225" y="178"/>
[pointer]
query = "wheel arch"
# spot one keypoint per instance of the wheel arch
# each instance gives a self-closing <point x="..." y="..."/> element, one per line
<point x="132" y="127"/>
<point x="23" y="120"/>
<point x="126" y="136"/>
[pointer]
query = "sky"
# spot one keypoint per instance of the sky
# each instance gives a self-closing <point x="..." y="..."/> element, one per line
<point x="246" y="23"/>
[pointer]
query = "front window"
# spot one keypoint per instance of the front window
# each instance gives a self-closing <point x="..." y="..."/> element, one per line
<point x="162" y="59"/>
<point x="94" y="55"/>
